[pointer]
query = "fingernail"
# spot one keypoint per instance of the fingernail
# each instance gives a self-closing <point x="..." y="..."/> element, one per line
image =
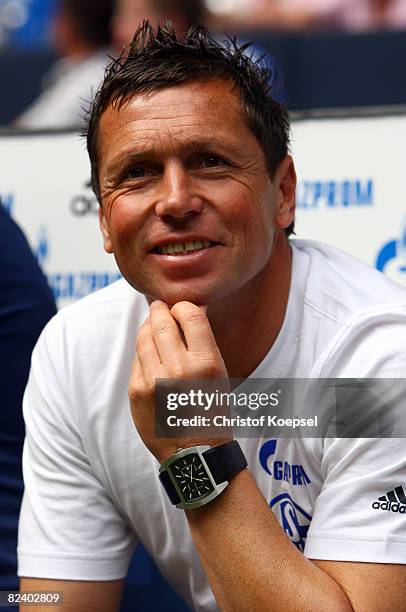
<point x="203" y="307"/>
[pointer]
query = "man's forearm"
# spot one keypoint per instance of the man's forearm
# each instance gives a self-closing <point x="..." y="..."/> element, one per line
<point x="250" y="562"/>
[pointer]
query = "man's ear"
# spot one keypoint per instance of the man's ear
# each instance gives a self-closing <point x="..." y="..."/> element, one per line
<point x="108" y="247"/>
<point x="285" y="180"/>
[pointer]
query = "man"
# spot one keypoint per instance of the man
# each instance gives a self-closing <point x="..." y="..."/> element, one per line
<point x="190" y="164"/>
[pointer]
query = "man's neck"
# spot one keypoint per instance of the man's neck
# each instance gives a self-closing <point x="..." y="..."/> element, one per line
<point x="245" y="328"/>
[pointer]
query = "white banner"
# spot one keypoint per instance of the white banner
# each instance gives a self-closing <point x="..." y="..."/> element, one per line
<point x="44" y="182"/>
<point x="352" y="189"/>
<point x="351" y="194"/>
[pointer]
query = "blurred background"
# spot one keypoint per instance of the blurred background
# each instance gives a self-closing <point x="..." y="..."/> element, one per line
<point x="338" y="64"/>
<point x="332" y="53"/>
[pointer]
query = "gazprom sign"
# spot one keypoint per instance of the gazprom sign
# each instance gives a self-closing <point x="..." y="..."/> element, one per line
<point x="333" y="193"/>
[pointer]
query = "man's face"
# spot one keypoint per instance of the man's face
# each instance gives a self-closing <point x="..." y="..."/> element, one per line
<point x="180" y="170"/>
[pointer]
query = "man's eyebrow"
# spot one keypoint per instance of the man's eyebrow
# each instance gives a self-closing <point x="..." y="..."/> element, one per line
<point x="122" y="159"/>
<point x="202" y="143"/>
<point x="210" y="142"/>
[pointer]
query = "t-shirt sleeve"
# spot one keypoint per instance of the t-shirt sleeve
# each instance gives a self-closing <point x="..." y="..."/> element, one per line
<point x="360" y="513"/>
<point x="69" y="526"/>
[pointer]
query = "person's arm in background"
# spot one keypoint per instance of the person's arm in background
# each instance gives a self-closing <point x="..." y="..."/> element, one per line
<point x="26" y="304"/>
<point x="292" y="16"/>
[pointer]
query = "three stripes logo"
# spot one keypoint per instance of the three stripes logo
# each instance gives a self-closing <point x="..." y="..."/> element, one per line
<point x="392" y="501"/>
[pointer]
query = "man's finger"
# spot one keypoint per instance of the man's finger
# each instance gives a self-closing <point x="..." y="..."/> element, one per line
<point x="195" y="326"/>
<point x="166" y="334"/>
<point x="136" y="379"/>
<point x="147" y="352"/>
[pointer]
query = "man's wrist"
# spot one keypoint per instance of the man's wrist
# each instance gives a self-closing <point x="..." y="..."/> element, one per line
<point x="170" y="450"/>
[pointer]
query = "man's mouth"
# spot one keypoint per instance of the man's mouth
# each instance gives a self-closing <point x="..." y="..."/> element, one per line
<point x="183" y="248"/>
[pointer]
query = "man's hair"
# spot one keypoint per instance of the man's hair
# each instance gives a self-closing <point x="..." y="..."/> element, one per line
<point x="158" y="58"/>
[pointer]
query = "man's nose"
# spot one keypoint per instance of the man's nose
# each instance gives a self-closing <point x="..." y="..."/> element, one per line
<point x="178" y="197"/>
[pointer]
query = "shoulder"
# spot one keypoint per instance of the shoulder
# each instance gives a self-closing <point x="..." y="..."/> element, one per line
<point x="342" y="287"/>
<point x="101" y="320"/>
<point x="363" y="310"/>
<point x="102" y="304"/>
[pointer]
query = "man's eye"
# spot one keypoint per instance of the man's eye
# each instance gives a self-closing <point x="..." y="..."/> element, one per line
<point x="212" y="161"/>
<point x="136" y="172"/>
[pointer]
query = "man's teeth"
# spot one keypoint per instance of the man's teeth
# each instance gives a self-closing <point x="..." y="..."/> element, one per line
<point x="180" y="248"/>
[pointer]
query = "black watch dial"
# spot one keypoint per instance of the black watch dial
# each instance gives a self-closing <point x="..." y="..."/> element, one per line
<point x="191" y="477"/>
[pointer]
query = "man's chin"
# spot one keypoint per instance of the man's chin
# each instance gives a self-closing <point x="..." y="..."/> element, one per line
<point x="196" y="292"/>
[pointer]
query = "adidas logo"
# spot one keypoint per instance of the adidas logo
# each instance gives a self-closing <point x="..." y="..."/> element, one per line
<point x="393" y="501"/>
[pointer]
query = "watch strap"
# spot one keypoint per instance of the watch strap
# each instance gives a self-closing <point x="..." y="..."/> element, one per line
<point x="225" y="461"/>
<point x="169" y="488"/>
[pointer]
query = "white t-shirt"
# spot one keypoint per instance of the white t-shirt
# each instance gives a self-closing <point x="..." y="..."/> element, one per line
<point x="92" y="490"/>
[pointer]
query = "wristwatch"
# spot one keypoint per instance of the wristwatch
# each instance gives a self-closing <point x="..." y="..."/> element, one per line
<point x="193" y="477"/>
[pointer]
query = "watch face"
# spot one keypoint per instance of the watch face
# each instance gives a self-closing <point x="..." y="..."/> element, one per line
<point x="191" y="477"/>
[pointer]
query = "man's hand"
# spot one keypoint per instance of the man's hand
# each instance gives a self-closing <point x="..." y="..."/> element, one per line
<point x="172" y="343"/>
